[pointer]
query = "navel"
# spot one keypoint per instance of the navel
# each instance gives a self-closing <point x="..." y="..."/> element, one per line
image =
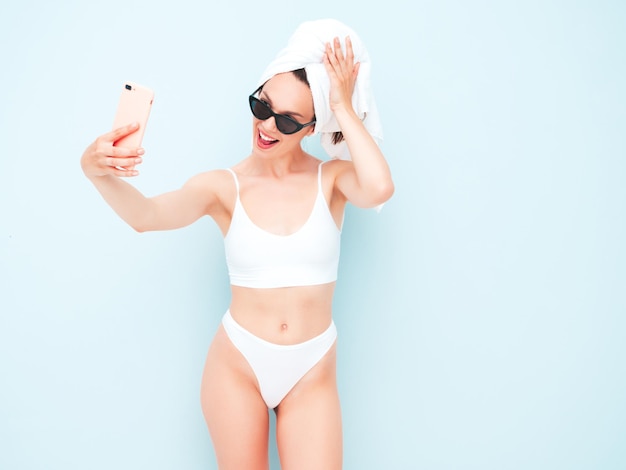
<point x="284" y="327"/>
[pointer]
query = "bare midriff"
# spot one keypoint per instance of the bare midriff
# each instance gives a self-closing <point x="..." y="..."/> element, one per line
<point x="283" y="315"/>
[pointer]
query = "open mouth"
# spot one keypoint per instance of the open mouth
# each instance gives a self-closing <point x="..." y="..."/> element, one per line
<point x="264" y="141"/>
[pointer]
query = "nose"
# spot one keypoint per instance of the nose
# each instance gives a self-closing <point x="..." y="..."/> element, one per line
<point x="269" y="124"/>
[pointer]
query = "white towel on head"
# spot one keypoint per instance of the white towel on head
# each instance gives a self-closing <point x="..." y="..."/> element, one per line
<point x="305" y="50"/>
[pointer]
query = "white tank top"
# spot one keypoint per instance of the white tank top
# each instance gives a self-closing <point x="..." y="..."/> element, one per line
<point x="260" y="259"/>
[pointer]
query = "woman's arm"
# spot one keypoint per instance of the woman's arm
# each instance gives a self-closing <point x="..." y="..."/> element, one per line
<point x="105" y="165"/>
<point x="366" y="181"/>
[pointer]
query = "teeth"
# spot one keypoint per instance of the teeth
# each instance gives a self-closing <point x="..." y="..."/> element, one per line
<point x="265" y="137"/>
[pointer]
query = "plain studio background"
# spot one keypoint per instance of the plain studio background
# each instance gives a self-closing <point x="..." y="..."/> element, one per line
<point x="480" y="314"/>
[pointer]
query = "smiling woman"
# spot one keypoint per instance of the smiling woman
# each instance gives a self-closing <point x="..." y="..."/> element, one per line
<point x="282" y="86"/>
<point x="280" y="210"/>
<point x="480" y="316"/>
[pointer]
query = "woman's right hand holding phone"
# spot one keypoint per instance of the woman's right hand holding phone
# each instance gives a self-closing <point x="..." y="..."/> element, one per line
<point x="102" y="158"/>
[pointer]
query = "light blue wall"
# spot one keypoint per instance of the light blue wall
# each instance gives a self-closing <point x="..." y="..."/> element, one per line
<point x="481" y="314"/>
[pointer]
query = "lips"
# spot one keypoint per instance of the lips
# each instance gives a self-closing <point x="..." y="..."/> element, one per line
<point x="264" y="141"/>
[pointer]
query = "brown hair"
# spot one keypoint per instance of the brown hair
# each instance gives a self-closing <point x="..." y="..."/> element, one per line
<point x="300" y="74"/>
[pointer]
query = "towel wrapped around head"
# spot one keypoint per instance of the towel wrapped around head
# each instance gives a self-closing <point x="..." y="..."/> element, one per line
<point x="305" y="50"/>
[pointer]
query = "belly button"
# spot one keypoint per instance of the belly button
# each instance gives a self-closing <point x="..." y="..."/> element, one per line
<point x="284" y="327"/>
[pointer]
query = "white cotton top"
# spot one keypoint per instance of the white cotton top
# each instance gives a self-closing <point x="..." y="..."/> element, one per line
<point x="260" y="259"/>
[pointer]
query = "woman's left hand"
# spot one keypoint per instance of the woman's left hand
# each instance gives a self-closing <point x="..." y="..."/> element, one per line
<point x="342" y="72"/>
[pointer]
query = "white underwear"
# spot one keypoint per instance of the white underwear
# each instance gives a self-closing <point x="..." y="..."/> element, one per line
<point x="278" y="367"/>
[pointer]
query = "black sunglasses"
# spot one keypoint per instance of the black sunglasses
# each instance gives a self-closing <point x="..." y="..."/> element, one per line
<point x="286" y="125"/>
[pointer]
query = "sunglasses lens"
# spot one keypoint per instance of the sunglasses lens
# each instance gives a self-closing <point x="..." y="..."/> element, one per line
<point x="259" y="109"/>
<point x="285" y="125"/>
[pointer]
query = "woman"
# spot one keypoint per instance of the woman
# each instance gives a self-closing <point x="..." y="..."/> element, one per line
<point x="280" y="210"/>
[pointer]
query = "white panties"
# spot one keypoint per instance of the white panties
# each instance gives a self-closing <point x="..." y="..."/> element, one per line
<point x="278" y="367"/>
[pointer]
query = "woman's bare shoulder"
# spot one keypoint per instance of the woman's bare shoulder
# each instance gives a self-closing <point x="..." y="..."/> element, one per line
<point x="211" y="177"/>
<point x="216" y="187"/>
<point x="337" y="166"/>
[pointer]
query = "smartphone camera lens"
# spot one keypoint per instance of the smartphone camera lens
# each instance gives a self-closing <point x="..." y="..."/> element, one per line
<point x="128" y="87"/>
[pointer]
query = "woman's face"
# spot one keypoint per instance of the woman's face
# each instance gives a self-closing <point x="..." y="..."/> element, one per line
<point x="285" y="94"/>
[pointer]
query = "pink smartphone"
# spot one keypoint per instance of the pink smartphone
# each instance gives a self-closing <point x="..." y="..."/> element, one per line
<point x="134" y="106"/>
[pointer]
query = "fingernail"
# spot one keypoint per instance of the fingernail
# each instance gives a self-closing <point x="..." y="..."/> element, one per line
<point x="140" y="152"/>
<point x="138" y="160"/>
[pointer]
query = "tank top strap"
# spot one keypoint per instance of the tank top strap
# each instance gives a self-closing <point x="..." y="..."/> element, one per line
<point x="319" y="178"/>
<point x="236" y="180"/>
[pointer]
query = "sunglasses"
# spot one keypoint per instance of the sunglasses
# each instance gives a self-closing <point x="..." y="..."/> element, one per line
<point x="286" y="125"/>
